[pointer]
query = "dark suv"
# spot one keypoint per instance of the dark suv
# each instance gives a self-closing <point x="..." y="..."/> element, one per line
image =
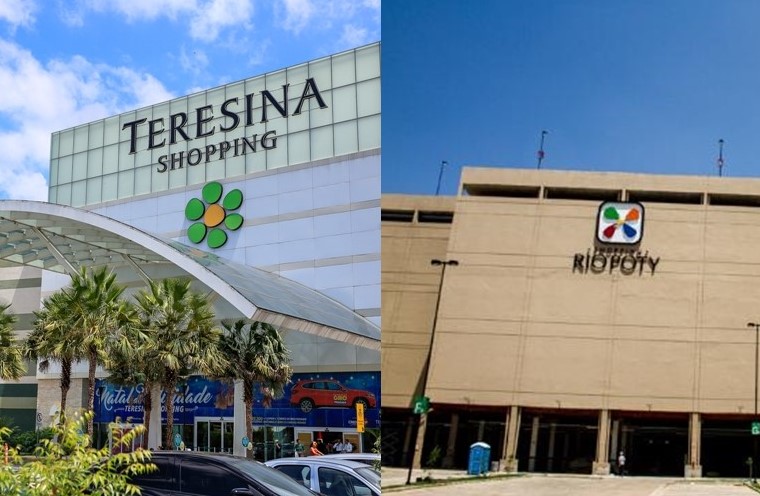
<point x="183" y="473"/>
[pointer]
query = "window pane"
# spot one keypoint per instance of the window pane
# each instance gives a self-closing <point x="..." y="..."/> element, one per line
<point x="345" y="138"/>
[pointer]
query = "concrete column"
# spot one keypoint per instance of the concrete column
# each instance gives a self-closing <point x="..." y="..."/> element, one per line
<point x="550" y="455"/>
<point x="154" y="436"/>
<point x="448" y="460"/>
<point x="509" y="462"/>
<point x="693" y="466"/>
<point x="601" y="465"/>
<point x="614" y="438"/>
<point x="239" y="429"/>
<point x="420" y="442"/>
<point x="533" y="444"/>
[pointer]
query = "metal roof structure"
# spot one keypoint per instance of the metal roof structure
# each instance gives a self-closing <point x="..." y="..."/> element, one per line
<point x="62" y="239"/>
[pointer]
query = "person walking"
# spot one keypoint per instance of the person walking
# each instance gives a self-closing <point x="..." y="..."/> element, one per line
<point x="621" y="464"/>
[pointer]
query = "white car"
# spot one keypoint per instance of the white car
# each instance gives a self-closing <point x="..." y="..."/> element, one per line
<point x="372" y="459"/>
<point x="331" y="476"/>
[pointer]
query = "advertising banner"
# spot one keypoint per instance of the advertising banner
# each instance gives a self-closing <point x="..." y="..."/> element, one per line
<point x="310" y="400"/>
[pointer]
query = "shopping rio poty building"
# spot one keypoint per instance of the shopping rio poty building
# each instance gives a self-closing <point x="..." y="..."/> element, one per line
<point x="266" y="193"/>
<point x="588" y="314"/>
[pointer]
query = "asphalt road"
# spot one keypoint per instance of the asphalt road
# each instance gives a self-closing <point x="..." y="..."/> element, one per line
<point x="582" y="486"/>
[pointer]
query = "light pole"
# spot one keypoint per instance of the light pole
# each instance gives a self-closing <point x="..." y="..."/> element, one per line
<point x="754" y="419"/>
<point x="422" y="419"/>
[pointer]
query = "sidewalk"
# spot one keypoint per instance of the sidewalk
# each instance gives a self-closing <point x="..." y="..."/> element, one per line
<point x="392" y="476"/>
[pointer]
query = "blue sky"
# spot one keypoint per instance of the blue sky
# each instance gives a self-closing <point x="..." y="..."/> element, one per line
<point x="68" y="62"/>
<point x="627" y="85"/>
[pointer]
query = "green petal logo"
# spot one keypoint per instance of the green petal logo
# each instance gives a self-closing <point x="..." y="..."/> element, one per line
<point x="211" y="215"/>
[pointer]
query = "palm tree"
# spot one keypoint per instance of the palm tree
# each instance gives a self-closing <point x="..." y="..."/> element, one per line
<point x="12" y="364"/>
<point x="256" y="354"/>
<point x="49" y="341"/>
<point x="182" y="338"/>
<point x="128" y="365"/>
<point x="97" y="312"/>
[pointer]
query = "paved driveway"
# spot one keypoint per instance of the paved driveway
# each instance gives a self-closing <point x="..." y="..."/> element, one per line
<point x="541" y="485"/>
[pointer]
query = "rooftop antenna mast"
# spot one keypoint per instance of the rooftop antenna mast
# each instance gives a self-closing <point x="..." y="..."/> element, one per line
<point x="720" y="157"/>
<point x="541" y="148"/>
<point x="440" y="176"/>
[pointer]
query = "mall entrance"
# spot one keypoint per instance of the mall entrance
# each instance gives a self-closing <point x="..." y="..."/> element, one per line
<point x="727" y="443"/>
<point x="214" y="434"/>
<point x="560" y="442"/>
<point x="654" y="444"/>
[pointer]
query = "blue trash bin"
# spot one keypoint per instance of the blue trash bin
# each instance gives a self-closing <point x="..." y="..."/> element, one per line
<point x="480" y="459"/>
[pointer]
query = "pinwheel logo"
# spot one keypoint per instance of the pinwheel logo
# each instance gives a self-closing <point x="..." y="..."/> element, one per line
<point x="620" y="223"/>
<point x="210" y="218"/>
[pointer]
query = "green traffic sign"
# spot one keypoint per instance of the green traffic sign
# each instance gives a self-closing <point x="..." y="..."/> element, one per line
<point x="421" y="405"/>
<point x="756" y="428"/>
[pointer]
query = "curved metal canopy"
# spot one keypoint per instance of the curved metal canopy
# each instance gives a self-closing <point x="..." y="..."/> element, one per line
<point x="62" y="239"/>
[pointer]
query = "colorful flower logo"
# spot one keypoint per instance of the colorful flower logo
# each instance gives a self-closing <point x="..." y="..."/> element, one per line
<point x="620" y="223"/>
<point x="211" y="215"/>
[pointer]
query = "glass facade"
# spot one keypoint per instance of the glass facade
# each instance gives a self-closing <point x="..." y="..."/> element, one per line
<point x="317" y="110"/>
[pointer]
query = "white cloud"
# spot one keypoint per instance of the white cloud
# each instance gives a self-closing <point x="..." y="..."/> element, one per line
<point x="194" y="62"/>
<point x="211" y="17"/>
<point x="354" y="35"/>
<point x="136" y="10"/>
<point x="205" y="18"/>
<point x="39" y="99"/>
<point x="18" y="12"/>
<point x="360" y="20"/>
<point x="298" y="13"/>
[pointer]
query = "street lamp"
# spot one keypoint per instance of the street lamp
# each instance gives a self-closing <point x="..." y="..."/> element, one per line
<point x="754" y="419"/>
<point x="422" y="420"/>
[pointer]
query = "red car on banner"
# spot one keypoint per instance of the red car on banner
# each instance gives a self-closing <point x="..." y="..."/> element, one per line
<point x="311" y="393"/>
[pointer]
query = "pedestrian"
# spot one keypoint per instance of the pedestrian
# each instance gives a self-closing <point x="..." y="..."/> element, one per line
<point x="313" y="450"/>
<point x="348" y="447"/>
<point x="298" y="449"/>
<point x="621" y="464"/>
<point x="338" y="446"/>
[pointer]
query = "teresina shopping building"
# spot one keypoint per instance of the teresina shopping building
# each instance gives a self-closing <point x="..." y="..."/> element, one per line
<point x="589" y="313"/>
<point x="266" y="192"/>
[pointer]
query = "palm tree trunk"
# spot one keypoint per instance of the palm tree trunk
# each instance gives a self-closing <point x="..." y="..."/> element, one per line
<point x="91" y="390"/>
<point x="170" y="393"/>
<point x="147" y="409"/>
<point x="65" y="385"/>
<point x="248" y="400"/>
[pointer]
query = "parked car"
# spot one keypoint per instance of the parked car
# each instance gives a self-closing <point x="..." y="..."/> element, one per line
<point x="308" y="394"/>
<point x="331" y="476"/>
<point x="365" y="458"/>
<point x="183" y="473"/>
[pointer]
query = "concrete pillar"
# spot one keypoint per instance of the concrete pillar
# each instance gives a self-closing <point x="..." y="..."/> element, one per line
<point x="533" y="444"/>
<point x="693" y="466"/>
<point x="550" y="455"/>
<point x="420" y="442"/>
<point x="509" y="462"/>
<point x="239" y="429"/>
<point x="448" y="460"/>
<point x="601" y="465"/>
<point x="614" y="438"/>
<point x="154" y="434"/>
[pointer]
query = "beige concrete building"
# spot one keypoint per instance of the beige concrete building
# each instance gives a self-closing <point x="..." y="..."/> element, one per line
<point x="590" y="313"/>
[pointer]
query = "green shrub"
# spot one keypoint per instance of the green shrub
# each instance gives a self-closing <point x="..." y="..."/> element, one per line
<point x="69" y="466"/>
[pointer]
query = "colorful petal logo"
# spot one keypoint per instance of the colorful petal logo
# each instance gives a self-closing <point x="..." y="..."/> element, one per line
<point x="620" y="223"/>
<point x="211" y="215"/>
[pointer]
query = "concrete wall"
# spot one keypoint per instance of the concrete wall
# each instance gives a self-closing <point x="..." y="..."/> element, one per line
<point x="518" y="326"/>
